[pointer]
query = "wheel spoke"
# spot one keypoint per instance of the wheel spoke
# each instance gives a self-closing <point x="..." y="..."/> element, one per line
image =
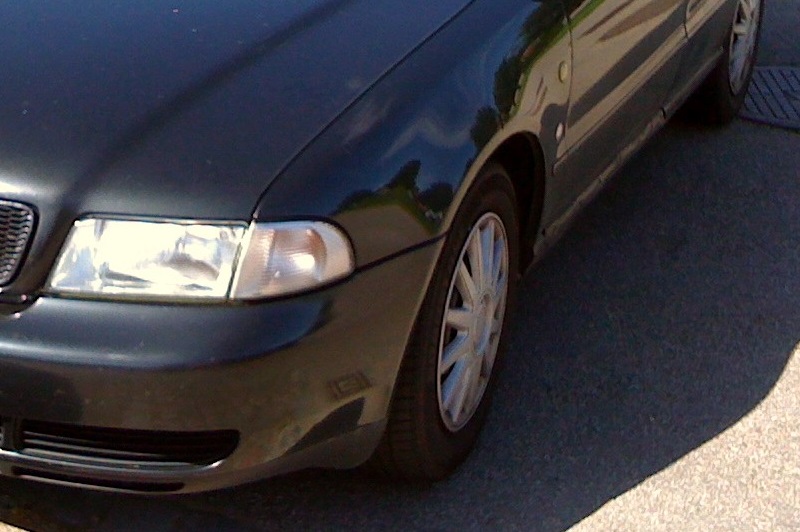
<point x="459" y="318"/>
<point x="497" y="324"/>
<point x="738" y="56"/>
<point x="487" y="362"/>
<point x="748" y="9"/>
<point x="499" y="251"/>
<point x="500" y="288"/>
<point x="751" y="42"/>
<point x="498" y="302"/>
<point x="735" y="63"/>
<point x="744" y="14"/>
<point x="455" y="351"/>
<point x="449" y="386"/>
<point x="472" y="386"/>
<point x="487" y="254"/>
<point x="466" y="285"/>
<point x="456" y="388"/>
<point x="483" y="346"/>
<point x="475" y="253"/>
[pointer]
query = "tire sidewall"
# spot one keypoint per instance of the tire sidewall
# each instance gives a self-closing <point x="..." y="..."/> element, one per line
<point x="735" y="100"/>
<point x="492" y="192"/>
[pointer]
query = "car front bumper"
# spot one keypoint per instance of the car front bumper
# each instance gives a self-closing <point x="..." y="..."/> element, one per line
<point x="305" y="381"/>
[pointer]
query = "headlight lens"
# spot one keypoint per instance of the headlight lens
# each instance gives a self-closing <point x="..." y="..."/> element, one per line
<point x="177" y="260"/>
<point x="289" y="257"/>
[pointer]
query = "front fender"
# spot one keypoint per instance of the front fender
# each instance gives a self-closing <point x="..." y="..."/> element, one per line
<point x="393" y="168"/>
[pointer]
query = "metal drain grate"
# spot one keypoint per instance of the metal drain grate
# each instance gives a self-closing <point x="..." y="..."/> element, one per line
<point x="774" y="97"/>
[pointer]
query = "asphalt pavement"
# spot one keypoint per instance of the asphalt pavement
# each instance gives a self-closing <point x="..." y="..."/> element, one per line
<point x="652" y="383"/>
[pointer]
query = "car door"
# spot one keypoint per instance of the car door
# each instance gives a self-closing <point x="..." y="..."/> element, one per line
<point x="625" y="57"/>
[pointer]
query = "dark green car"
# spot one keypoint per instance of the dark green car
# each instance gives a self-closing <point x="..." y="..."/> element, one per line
<point x="243" y="238"/>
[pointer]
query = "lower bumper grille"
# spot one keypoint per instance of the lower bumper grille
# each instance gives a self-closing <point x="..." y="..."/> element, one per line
<point x="124" y="448"/>
<point x="86" y="482"/>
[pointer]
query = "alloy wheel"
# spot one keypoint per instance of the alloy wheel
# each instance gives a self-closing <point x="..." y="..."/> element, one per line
<point x="473" y="320"/>
<point x="743" y="42"/>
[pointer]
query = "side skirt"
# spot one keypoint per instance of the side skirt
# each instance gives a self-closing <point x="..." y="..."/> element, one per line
<point x="694" y="82"/>
<point x="552" y="233"/>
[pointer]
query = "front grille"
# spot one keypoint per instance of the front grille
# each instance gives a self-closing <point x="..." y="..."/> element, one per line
<point x="16" y="226"/>
<point x="125" y="448"/>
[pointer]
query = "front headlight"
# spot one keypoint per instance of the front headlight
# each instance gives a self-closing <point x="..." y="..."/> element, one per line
<point x="177" y="260"/>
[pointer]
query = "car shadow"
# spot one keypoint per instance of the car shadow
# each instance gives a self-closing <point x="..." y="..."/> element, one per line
<point x="666" y="314"/>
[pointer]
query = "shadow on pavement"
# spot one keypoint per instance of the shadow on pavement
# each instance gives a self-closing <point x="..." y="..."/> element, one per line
<point x="664" y="316"/>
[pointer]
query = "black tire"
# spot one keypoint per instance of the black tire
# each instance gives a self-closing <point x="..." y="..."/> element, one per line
<point x="717" y="101"/>
<point x="417" y="444"/>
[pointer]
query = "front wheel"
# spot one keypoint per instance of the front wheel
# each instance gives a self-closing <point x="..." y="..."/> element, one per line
<point x="722" y="94"/>
<point x="445" y="382"/>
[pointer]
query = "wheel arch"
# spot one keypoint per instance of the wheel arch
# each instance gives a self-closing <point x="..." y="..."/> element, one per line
<point x="523" y="158"/>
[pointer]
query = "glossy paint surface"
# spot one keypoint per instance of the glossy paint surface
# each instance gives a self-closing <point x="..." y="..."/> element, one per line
<point x="178" y="110"/>
<point x="287" y="374"/>
<point x="393" y="168"/>
<point x="371" y="114"/>
<point x="625" y="58"/>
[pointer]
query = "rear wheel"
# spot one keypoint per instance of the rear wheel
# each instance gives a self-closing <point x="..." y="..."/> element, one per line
<point x="445" y="382"/>
<point x="722" y="94"/>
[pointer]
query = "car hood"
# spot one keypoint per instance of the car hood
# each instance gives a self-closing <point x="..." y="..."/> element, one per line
<point x="184" y="108"/>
